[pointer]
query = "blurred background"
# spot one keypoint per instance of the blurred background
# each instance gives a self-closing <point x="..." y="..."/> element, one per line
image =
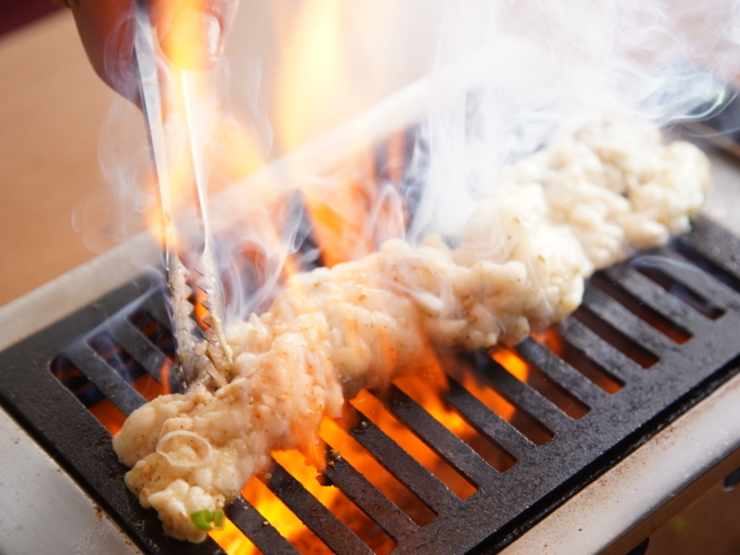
<point x="16" y="14"/>
<point x="51" y="108"/>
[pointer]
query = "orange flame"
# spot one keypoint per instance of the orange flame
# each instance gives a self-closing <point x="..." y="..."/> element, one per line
<point x="426" y="386"/>
<point x="229" y="150"/>
<point x="309" y="72"/>
<point x="108" y="415"/>
<point x="340" y="214"/>
<point x="579" y="361"/>
<point x="515" y="365"/>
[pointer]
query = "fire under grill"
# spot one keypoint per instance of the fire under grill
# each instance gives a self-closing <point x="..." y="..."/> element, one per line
<point x="654" y="335"/>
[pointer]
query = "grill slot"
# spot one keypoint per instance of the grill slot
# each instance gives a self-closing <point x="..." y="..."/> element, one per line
<point x="288" y="525"/>
<point x="690" y="297"/>
<point x="707" y="246"/>
<point x="377" y="506"/>
<point x="446" y="444"/>
<point x="404" y="467"/>
<point x="128" y="368"/>
<point x="362" y="463"/>
<point x="145" y="352"/>
<point x="498" y="405"/>
<point x="628" y="333"/>
<point x="76" y="382"/>
<point x="708" y="266"/>
<point x="448" y="418"/>
<point x="489" y="423"/>
<point x="88" y="360"/>
<point x="542" y="383"/>
<point x="684" y="280"/>
<point x="318" y="518"/>
<point x="616" y="337"/>
<point x="560" y="372"/>
<point x="111" y="384"/>
<point x="405" y="437"/>
<point x="655" y="297"/>
<point x="597" y="349"/>
<point x="262" y="534"/>
<point x="669" y="328"/>
<point x="577" y="359"/>
<point x="521" y="395"/>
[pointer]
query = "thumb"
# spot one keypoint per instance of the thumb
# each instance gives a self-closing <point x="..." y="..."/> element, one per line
<point x="192" y="33"/>
<point x="106" y="29"/>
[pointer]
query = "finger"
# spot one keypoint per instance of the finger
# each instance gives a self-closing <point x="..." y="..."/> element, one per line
<point x="192" y="33"/>
<point x="106" y="30"/>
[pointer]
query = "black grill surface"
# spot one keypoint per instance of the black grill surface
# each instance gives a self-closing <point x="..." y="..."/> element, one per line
<point x="663" y="326"/>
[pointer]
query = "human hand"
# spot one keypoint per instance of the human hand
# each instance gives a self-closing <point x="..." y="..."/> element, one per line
<point x="106" y="29"/>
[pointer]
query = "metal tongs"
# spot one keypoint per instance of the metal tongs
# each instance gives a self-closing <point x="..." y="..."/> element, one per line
<point x="151" y="91"/>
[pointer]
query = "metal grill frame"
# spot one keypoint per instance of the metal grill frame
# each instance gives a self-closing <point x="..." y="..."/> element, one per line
<point x="506" y="504"/>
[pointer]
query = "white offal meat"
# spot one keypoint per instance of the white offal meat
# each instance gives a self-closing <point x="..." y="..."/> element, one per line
<point x="582" y="203"/>
<point x="616" y="187"/>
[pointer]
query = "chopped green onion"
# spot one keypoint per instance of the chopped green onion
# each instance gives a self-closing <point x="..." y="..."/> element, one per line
<point x="218" y="519"/>
<point x="206" y="520"/>
<point x="200" y="519"/>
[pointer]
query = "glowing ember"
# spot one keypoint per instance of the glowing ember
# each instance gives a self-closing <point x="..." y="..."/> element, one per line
<point x="108" y="415"/>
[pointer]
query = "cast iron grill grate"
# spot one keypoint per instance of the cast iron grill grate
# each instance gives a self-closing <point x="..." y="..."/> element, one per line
<point x="654" y="335"/>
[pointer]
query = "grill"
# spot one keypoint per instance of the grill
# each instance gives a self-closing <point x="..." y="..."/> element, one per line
<point x="654" y="336"/>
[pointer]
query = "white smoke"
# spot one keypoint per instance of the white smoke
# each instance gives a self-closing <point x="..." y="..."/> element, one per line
<point x="523" y="71"/>
<point x="544" y="67"/>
